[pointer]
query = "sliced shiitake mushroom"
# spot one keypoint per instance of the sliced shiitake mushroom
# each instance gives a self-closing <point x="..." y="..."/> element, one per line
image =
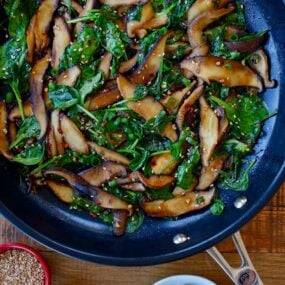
<point x="229" y="73"/>
<point x="36" y="91"/>
<point x="147" y="14"/>
<point x="163" y="164"/>
<point x="30" y="38"/>
<point x="118" y="3"/>
<point x="208" y="131"/>
<point x="51" y="143"/>
<point x="201" y="22"/>
<point x="108" y="154"/>
<point x="12" y="131"/>
<point x="180" y="205"/>
<point x="4" y="143"/>
<point x="187" y="104"/>
<point x="89" y="5"/>
<point x="58" y="135"/>
<point x="97" y="176"/>
<point x="129" y="64"/>
<point x="156" y="22"/>
<point x="61" y="40"/>
<point x="105" y="64"/>
<point x="120" y="219"/>
<point x="259" y="62"/>
<point x="134" y="186"/>
<point x="15" y="112"/>
<point x="147" y="108"/>
<point x="42" y="25"/>
<point x="201" y="6"/>
<point x="210" y="173"/>
<point x="85" y="190"/>
<point x="72" y="135"/>
<point x="69" y="76"/>
<point x="62" y="191"/>
<point x="155" y="181"/>
<point x="76" y="6"/>
<point x="250" y="45"/>
<point x="147" y="71"/>
<point x="103" y="99"/>
<point x="174" y="100"/>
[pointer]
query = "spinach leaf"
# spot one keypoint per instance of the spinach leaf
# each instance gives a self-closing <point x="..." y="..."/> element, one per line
<point x="159" y="122"/>
<point x="115" y="40"/>
<point x="185" y="175"/>
<point x="177" y="148"/>
<point x="246" y="114"/>
<point x="161" y="194"/>
<point x="218" y="207"/>
<point x="29" y="129"/>
<point x="140" y="158"/>
<point x="148" y="42"/>
<point x="218" y="48"/>
<point x="70" y="160"/>
<point x="239" y="182"/>
<point x="91" y="85"/>
<point x="63" y="97"/>
<point x="176" y="10"/>
<point x="134" y="222"/>
<point x="31" y="155"/>
<point x="236" y="148"/>
<point x="84" y="204"/>
<point x="141" y="91"/>
<point x="134" y="13"/>
<point x="19" y="13"/>
<point x="129" y="196"/>
<point x="218" y="90"/>
<point x="236" y="18"/>
<point x="83" y="50"/>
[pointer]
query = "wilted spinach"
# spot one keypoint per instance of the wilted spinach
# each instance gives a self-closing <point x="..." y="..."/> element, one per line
<point x="185" y="172"/>
<point x="29" y="129"/>
<point x="63" y="97"/>
<point x="31" y="155"/>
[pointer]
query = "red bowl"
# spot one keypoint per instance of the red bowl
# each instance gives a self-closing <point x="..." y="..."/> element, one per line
<point x="21" y="246"/>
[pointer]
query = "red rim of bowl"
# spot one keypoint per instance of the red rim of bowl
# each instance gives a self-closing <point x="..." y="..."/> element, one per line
<point x="21" y="246"/>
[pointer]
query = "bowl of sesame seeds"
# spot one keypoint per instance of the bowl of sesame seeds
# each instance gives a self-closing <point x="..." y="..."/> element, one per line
<point x="22" y="265"/>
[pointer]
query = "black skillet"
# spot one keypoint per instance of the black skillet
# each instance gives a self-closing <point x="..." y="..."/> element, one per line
<point x="51" y="223"/>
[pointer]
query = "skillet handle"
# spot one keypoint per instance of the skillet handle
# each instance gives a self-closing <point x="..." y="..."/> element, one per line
<point x="246" y="273"/>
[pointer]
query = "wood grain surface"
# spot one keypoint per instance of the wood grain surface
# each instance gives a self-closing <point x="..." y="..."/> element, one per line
<point x="264" y="237"/>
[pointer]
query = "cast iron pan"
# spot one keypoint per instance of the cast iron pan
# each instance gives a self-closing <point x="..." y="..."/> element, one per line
<point x="51" y="223"/>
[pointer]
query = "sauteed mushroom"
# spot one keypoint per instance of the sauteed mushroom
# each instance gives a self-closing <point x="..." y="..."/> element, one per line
<point x="229" y="73"/>
<point x="72" y="135"/>
<point x="36" y="91"/>
<point x="180" y="205"/>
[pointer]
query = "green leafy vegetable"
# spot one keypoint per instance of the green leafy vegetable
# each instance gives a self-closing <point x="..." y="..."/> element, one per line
<point x="134" y="222"/>
<point x="28" y="129"/>
<point x="161" y="194"/>
<point x="240" y="182"/>
<point x="63" y="97"/>
<point x="91" y="85"/>
<point x="159" y="122"/>
<point x="246" y="114"/>
<point x="135" y="13"/>
<point x="217" y="207"/>
<point x="31" y="155"/>
<point x="185" y="172"/>
<point x="83" y="50"/>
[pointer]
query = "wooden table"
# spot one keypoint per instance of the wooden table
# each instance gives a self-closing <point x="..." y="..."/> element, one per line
<point x="264" y="237"/>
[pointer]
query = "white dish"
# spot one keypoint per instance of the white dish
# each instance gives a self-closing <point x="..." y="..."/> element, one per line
<point x="184" y="280"/>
